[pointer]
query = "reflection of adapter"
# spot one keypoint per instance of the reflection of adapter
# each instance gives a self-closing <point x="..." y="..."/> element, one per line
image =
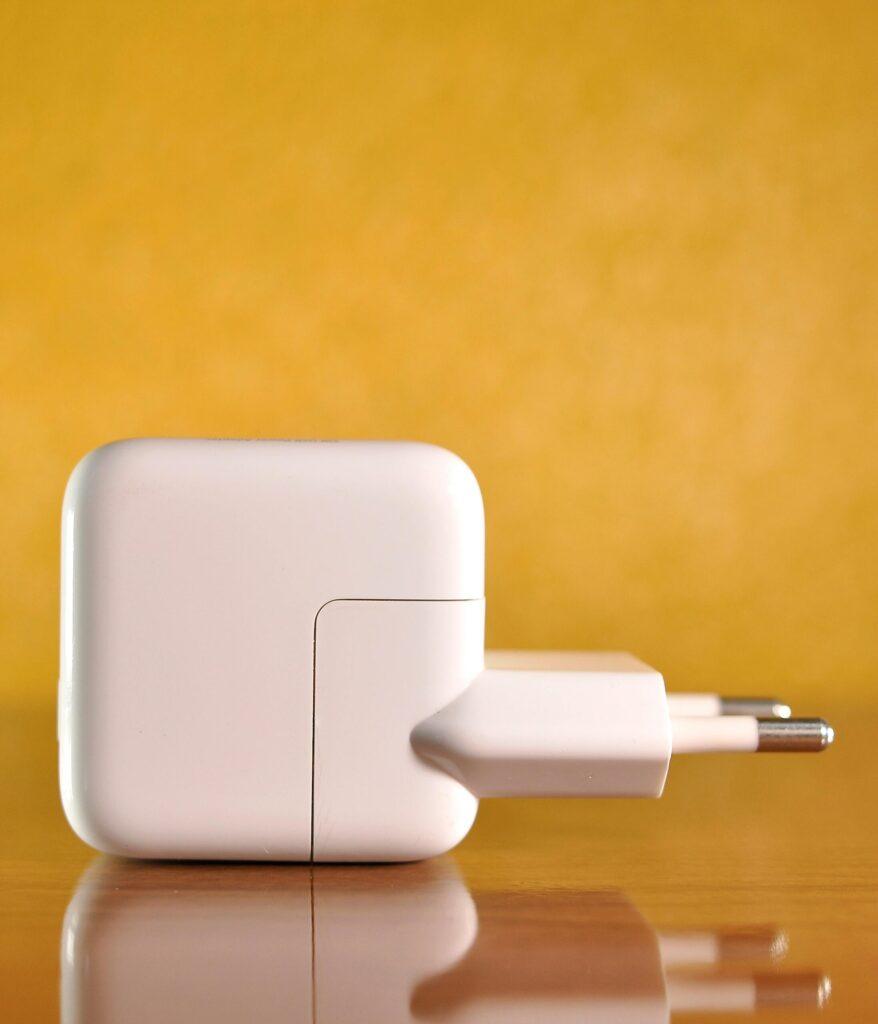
<point x="390" y="944"/>
<point x="274" y="650"/>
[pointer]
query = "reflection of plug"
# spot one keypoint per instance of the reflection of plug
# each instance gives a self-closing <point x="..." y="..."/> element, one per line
<point x="685" y="948"/>
<point x="749" y="994"/>
<point x="552" y="958"/>
<point x="389" y="944"/>
<point x="560" y="957"/>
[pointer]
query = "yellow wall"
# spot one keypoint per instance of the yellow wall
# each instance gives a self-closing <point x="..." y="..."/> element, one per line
<point x="620" y="256"/>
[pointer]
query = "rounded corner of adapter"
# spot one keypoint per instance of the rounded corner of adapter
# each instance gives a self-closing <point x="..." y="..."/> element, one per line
<point x="431" y="840"/>
<point x="454" y="834"/>
<point x="455" y="467"/>
<point x="95" y="466"/>
<point x="92" y="823"/>
<point x="465" y="480"/>
<point x="443" y="473"/>
<point x="445" y="479"/>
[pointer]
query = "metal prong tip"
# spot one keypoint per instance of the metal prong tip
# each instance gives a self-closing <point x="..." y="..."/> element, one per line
<point x="758" y="707"/>
<point x="794" y="734"/>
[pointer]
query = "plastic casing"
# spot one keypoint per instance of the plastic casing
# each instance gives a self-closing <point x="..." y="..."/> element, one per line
<point x="250" y="631"/>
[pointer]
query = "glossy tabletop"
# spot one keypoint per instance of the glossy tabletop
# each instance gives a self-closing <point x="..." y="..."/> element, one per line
<point x="748" y="891"/>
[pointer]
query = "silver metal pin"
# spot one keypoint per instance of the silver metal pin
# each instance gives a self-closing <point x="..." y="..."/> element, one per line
<point x="794" y="734"/>
<point x="758" y="707"/>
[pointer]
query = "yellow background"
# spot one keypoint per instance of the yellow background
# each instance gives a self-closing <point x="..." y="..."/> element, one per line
<point x="620" y="256"/>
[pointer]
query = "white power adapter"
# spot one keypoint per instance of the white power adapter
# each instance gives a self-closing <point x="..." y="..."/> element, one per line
<point x="274" y="650"/>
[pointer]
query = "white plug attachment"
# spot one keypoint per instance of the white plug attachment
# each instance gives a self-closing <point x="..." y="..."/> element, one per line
<point x="593" y="725"/>
<point x="601" y="732"/>
<point x="608" y="729"/>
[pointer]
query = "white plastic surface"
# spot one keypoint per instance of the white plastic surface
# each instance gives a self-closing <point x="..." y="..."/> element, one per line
<point x="566" y="661"/>
<point x="695" y="705"/>
<point x="381" y="668"/>
<point x="727" y="734"/>
<point x="533" y="733"/>
<point x="192" y="575"/>
<point x="705" y="705"/>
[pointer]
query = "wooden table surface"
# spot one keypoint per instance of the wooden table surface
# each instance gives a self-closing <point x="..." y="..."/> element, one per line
<point x="748" y="891"/>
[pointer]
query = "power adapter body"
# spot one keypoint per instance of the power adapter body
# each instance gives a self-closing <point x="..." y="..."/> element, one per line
<point x="274" y="650"/>
<point x="250" y="632"/>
